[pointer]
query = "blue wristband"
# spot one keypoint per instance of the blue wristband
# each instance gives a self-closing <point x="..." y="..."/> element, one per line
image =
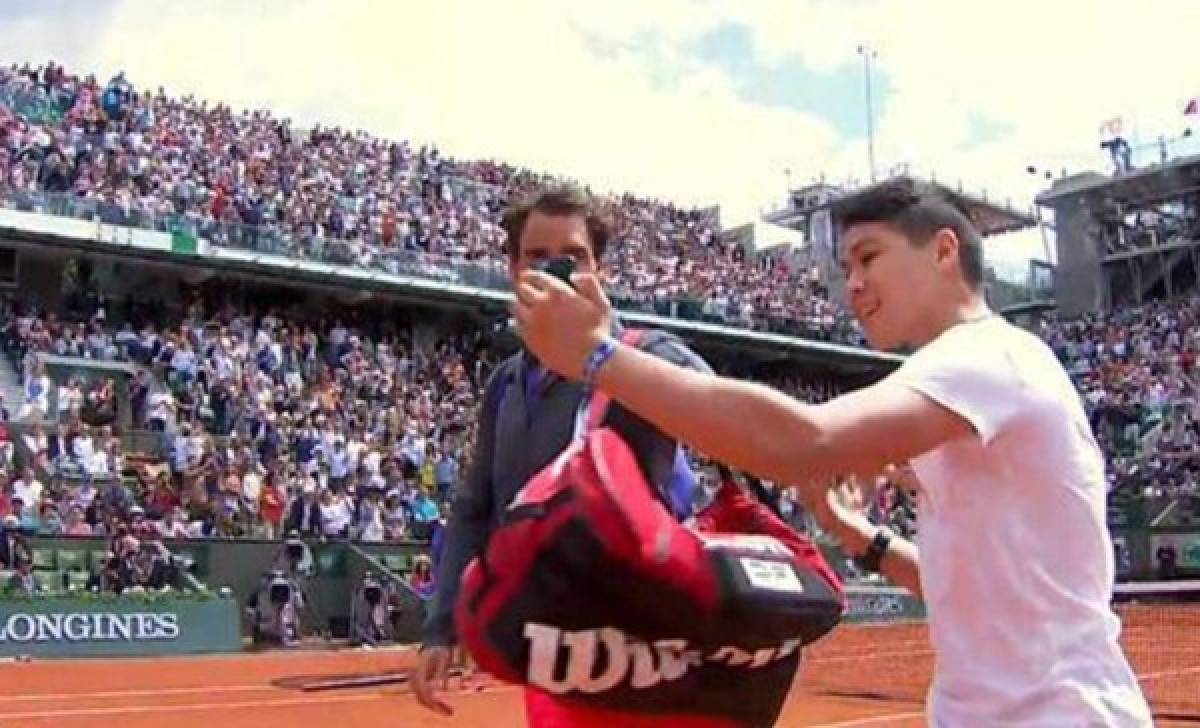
<point x="598" y="358"/>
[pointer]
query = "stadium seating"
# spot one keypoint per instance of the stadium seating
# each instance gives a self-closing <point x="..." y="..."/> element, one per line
<point x="73" y="146"/>
<point x="1136" y="370"/>
<point x="427" y="409"/>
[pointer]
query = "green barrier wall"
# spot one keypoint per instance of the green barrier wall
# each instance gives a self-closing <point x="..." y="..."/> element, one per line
<point x="240" y="564"/>
<point x="867" y="605"/>
<point x="1137" y="547"/>
<point x="1187" y="550"/>
<point x="111" y="625"/>
<point x="339" y="569"/>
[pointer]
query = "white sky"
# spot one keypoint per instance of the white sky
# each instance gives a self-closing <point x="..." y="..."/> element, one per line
<point x="555" y="85"/>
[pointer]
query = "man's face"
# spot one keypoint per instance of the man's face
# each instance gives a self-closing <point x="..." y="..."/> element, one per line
<point x="889" y="283"/>
<point x="553" y="236"/>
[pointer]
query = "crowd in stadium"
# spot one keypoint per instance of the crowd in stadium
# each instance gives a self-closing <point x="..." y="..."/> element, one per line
<point x="271" y="425"/>
<point x="1136" y="370"/>
<point x="73" y="145"/>
<point x="274" y="424"/>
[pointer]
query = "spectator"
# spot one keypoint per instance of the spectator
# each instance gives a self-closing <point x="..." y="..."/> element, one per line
<point x="304" y="514"/>
<point x="12" y="543"/>
<point x="28" y="490"/>
<point x="172" y="524"/>
<point x="161" y="411"/>
<point x="272" y="504"/>
<point x="75" y="525"/>
<point x="37" y="395"/>
<point x="421" y="579"/>
<point x="336" y="514"/>
<point x="370" y="526"/>
<point x="424" y="515"/>
<point x="395" y="517"/>
<point x="24" y="582"/>
<point x="6" y="447"/>
<point x="445" y="473"/>
<point x="50" y="522"/>
<point x="70" y="400"/>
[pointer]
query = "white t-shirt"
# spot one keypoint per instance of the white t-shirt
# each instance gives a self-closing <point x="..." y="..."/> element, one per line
<point x="159" y="405"/>
<point x="251" y="490"/>
<point x="84" y="450"/>
<point x="1016" y="561"/>
<point x="30" y="493"/>
<point x="336" y="516"/>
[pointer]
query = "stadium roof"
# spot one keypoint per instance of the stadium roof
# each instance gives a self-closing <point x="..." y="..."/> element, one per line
<point x="1141" y="185"/>
<point x="992" y="218"/>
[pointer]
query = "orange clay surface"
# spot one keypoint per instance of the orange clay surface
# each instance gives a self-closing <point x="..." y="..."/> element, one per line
<point x="871" y="676"/>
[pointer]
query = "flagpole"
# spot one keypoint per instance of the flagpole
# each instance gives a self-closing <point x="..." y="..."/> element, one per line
<point x="868" y="54"/>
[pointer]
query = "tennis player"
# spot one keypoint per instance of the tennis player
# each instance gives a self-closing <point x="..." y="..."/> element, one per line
<point x="1013" y="558"/>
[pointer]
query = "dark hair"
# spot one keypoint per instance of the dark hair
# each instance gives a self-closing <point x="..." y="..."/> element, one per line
<point x="919" y="211"/>
<point x="564" y="201"/>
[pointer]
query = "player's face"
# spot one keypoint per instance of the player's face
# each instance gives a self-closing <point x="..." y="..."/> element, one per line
<point x="554" y="236"/>
<point x="888" y="282"/>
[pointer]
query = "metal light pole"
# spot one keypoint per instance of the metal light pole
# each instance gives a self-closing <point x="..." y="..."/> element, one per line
<point x="868" y="54"/>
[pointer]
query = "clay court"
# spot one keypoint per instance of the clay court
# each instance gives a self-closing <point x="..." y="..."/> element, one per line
<point x="859" y="676"/>
<point x="241" y="691"/>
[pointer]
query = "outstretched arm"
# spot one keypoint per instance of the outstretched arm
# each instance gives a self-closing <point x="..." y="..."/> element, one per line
<point x="748" y="426"/>
<point x="757" y="429"/>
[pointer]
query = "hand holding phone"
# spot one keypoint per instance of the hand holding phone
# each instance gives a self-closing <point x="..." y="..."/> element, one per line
<point x="561" y="268"/>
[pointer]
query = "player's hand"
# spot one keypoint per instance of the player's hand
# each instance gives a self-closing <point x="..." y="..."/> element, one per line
<point x="841" y="509"/>
<point x="847" y="501"/>
<point x="561" y="326"/>
<point x="431" y="674"/>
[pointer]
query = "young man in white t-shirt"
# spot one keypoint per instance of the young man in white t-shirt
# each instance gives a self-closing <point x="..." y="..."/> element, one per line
<point x="1015" y="560"/>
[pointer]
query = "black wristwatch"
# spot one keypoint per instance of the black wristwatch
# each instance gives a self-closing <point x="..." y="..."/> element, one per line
<point x="870" y="559"/>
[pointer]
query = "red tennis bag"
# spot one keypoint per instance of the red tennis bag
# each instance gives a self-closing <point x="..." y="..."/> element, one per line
<point x="591" y="591"/>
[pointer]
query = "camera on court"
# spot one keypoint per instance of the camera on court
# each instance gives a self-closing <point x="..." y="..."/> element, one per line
<point x="295" y="557"/>
<point x="280" y="590"/>
<point x="274" y="610"/>
<point x="295" y="550"/>
<point x="372" y="613"/>
<point x="184" y="564"/>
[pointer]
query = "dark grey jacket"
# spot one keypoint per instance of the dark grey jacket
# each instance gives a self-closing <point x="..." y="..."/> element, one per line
<point x="513" y="444"/>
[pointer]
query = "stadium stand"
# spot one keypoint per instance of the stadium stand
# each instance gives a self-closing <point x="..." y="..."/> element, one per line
<point x="1136" y="370"/>
<point x="251" y="180"/>
<point x="257" y="409"/>
<point x="250" y="411"/>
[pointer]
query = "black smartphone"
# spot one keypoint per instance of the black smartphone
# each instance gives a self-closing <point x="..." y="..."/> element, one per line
<point x="560" y="268"/>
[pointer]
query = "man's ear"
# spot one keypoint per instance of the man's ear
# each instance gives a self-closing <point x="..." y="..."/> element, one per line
<point x="946" y="247"/>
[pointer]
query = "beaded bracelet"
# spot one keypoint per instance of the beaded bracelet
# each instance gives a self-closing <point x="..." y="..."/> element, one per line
<point x="598" y="358"/>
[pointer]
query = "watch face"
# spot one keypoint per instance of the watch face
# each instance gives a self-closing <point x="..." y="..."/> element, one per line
<point x="870" y="559"/>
